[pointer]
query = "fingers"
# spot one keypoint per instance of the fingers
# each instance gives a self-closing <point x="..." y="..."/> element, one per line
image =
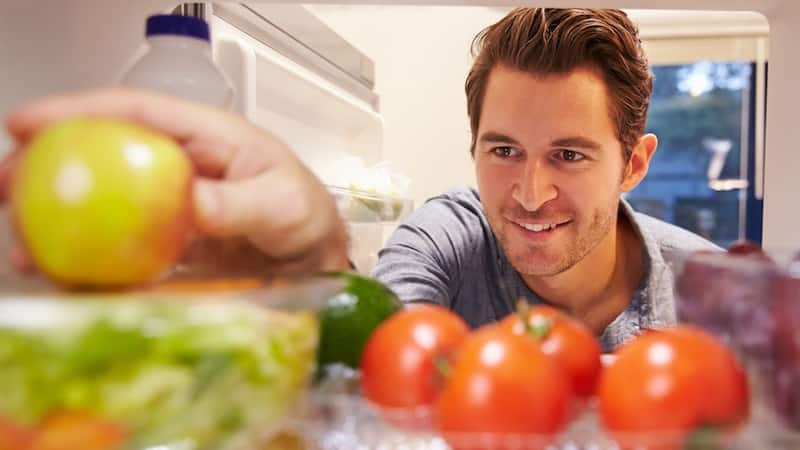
<point x="212" y="138"/>
<point x="277" y="205"/>
<point x="7" y="166"/>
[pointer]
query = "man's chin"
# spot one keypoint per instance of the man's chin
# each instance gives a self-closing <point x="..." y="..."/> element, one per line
<point x="540" y="268"/>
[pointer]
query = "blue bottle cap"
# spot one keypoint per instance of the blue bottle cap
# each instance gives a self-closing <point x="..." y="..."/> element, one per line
<point x="164" y="24"/>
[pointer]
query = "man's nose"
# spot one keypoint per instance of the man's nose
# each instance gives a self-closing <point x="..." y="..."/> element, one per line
<point x="536" y="186"/>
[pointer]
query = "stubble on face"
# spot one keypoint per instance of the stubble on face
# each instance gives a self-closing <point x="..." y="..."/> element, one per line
<point x="553" y="258"/>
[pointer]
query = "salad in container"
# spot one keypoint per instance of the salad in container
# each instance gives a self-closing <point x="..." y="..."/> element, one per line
<point x="166" y="368"/>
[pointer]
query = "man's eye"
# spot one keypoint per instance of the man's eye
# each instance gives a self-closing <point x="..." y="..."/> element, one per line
<point x="570" y="155"/>
<point x="503" y="152"/>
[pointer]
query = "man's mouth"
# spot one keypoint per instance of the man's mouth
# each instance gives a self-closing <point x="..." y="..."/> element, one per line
<point x="540" y="227"/>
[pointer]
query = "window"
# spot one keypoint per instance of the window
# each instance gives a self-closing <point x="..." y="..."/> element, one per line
<point x="707" y="110"/>
<point x="698" y="176"/>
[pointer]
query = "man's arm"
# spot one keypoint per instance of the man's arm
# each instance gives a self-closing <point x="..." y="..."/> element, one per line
<point x="423" y="260"/>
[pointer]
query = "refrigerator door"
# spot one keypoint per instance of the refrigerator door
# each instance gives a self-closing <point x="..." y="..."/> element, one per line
<point x="298" y="79"/>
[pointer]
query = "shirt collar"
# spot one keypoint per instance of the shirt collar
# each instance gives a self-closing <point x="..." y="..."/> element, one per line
<point x="652" y="304"/>
<point x="652" y="256"/>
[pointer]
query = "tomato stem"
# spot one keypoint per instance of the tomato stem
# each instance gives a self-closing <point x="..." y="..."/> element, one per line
<point x="703" y="438"/>
<point x="523" y="311"/>
<point x="541" y="329"/>
<point x="443" y="366"/>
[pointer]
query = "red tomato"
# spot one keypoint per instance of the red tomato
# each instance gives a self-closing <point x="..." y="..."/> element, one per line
<point x="14" y="436"/>
<point x="502" y="384"/>
<point x="565" y="339"/>
<point x="75" y="430"/>
<point x="399" y="360"/>
<point x="675" y="380"/>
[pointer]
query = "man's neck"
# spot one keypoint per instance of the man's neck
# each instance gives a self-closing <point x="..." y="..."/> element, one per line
<point x="599" y="287"/>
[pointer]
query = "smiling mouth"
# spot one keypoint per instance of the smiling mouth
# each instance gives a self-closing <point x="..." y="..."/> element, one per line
<point x="540" y="227"/>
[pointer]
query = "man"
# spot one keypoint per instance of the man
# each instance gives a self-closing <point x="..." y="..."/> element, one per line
<point x="557" y="100"/>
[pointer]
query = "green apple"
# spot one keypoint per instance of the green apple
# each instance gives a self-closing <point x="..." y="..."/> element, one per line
<point x="102" y="203"/>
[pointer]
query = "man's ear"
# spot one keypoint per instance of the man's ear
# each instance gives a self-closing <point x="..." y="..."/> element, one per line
<point x="639" y="163"/>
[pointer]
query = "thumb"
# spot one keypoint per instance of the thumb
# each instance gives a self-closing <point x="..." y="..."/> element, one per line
<point x="274" y="211"/>
<point x="221" y="208"/>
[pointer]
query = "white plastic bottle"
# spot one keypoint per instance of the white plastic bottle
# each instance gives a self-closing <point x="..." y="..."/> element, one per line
<point x="179" y="62"/>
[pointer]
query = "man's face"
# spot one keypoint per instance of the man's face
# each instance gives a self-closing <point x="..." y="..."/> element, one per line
<point x="549" y="167"/>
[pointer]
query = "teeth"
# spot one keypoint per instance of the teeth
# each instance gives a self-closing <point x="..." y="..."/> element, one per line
<point x="537" y="226"/>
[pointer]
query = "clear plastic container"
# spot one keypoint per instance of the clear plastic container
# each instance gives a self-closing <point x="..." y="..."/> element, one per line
<point x="336" y="417"/>
<point x="178" y="61"/>
<point x="186" y="364"/>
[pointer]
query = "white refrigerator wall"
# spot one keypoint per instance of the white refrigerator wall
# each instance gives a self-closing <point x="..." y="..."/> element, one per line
<point x="421" y="57"/>
<point x="61" y="46"/>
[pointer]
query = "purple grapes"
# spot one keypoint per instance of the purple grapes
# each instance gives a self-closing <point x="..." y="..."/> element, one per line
<point x="753" y="305"/>
<point x="786" y="349"/>
<point x="730" y="296"/>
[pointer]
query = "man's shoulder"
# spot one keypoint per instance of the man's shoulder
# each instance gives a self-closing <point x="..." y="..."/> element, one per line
<point x="451" y="218"/>
<point x="458" y="204"/>
<point x="670" y="237"/>
<point x="462" y="197"/>
<point x="442" y="253"/>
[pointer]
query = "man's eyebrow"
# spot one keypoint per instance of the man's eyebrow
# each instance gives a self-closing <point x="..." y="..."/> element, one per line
<point x="581" y="142"/>
<point x="495" y="137"/>
<point x="576" y="142"/>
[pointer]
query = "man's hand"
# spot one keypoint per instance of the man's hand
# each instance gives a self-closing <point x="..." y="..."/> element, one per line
<point x="262" y="209"/>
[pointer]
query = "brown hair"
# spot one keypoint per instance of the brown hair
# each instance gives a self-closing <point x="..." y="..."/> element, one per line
<point x="546" y="41"/>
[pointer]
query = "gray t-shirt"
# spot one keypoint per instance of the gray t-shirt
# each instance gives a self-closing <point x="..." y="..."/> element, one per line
<point x="446" y="253"/>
